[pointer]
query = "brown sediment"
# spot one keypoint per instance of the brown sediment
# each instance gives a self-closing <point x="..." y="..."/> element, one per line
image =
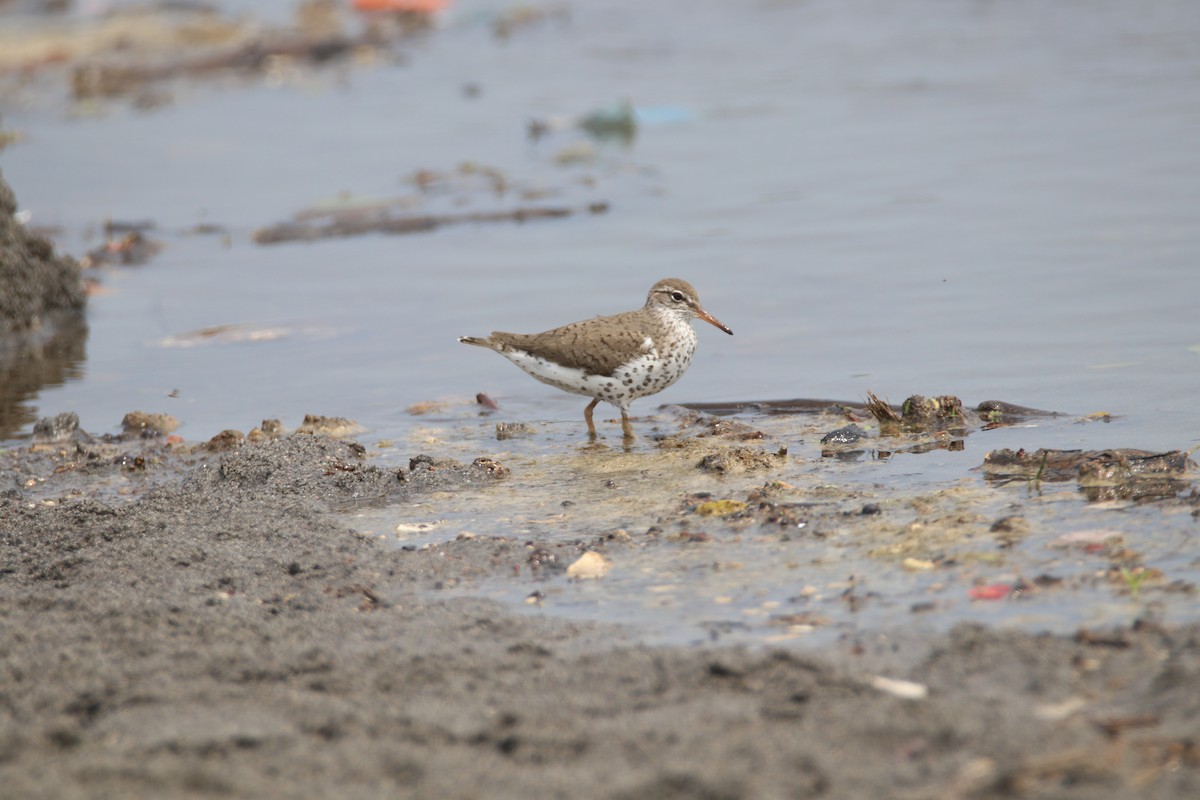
<point x="289" y="655"/>
<point x="350" y="224"/>
<point x="131" y="51"/>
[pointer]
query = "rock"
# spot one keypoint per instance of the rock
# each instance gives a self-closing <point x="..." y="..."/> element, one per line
<point x="490" y="467"/>
<point x="589" y="566"/>
<point x="225" y="440"/>
<point x="739" y="459"/>
<point x="35" y="284"/>
<point x="142" y="423"/>
<point x="847" y="434"/>
<point x="335" y="427"/>
<point x="509" y="430"/>
<point x="720" y="508"/>
<point x="57" y="428"/>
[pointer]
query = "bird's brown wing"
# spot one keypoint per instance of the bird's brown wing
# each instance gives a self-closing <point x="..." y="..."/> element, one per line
<point x="599" y="346"/>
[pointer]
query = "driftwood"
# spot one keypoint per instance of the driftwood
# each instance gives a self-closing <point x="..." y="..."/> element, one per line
<point x="356" y="225"/>
<point x="1122" y="474"/>
<point x="1092" y="466"/>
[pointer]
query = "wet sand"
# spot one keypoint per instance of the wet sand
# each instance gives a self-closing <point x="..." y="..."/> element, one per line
<point x="220" y="634"/>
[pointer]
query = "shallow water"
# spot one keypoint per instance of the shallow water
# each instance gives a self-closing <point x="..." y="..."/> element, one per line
<point x="999" y="201"/>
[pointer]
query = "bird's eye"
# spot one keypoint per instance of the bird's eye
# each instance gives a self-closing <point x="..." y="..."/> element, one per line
<point x="677" y="296"/>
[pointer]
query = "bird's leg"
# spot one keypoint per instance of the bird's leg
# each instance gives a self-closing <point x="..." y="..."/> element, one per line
<point x="625" y="426"/>
<point x="587" y="416"/>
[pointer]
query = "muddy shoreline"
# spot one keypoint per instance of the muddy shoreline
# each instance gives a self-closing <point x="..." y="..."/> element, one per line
<point x="220" y="634"/>
<point x="211" y="618"/>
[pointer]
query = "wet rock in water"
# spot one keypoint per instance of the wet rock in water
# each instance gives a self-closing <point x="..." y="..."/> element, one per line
<point x="919" y="412"/>
<point x="130" y="462"/>
<point x="228" y="439"/>
<point x="589" y="566"/>
<point x="720" y="508"/>
<point x="490" y="467"/>
<point x="426" y="463"/>
<point x="739" y="459"/>
<point x="926" y="409"/>
<point x="511" y="430"/>
<point x="847" y="434"/>
<point x="270" y="429"/>
<point x="146" y="424"/>
<point x="337" y="427"/>
<point x="543" y="558"/>
<point x="57" y="428"/>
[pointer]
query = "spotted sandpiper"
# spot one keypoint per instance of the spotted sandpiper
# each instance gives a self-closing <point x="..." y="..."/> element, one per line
<point x="618" y="358"/>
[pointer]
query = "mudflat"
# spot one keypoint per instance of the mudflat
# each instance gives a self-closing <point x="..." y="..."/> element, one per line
<point x="222" y="634"/>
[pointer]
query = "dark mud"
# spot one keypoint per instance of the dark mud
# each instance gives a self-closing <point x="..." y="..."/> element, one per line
<point x="42" y="329"/>
<point x="36" y="284"/>
<point x="214" y="632"/>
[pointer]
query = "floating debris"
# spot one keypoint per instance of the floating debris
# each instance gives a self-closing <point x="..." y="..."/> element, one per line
<point x="419" y="7"/>
<point x="417" y="527"/>
<point x="908" y="690"/>
<point x="225" y="334"/>
<point x="522" y="16"/>
<point x="995" y="591"/>
<point x="130" y="52"/>
<point x="349" y="225"/>
<point x="132" y="249"/>
<point x="619" y="122"/>
<point x="1087" y="539"/>
<point x="427" y="407"/>
<point x="1122" y="473"/>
